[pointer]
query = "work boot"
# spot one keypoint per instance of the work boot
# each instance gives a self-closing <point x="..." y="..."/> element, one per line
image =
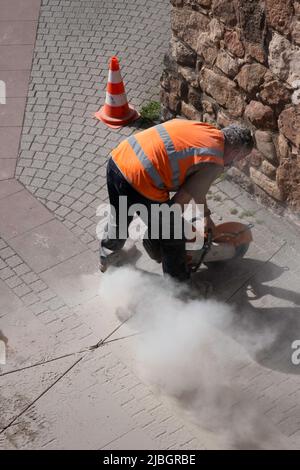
<point x="118" y="257"/>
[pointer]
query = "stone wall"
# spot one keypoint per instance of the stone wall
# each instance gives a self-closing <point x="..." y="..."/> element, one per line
<point x="239" y="61"/>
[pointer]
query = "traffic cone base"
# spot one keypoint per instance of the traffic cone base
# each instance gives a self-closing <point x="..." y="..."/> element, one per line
<point x="116" y="122"/>
<point x="116" y="111"/>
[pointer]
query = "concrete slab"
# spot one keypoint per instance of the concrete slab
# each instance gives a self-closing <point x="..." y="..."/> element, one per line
<point x="47" y="245"/>
<point x="9" y="141"/>
<point x="16" y="82"/>
<point x="28" y="340"/>
<point x="8" y="300"/>
<point x="15" y="57"/>
<point x="17" y="32"/>
<point x="7" y="168"/>
<point x="64" y="416"/>
<point x="11" y="113"/>
<point x="75" y="280"/>
<point x="21" y="212"/>
<point x="120" y="405"/>
<point x="19" y="10"/>
<point x="9" y="187"/>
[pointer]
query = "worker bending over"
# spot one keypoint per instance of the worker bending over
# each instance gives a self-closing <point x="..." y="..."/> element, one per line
<point x="178" y="156"/>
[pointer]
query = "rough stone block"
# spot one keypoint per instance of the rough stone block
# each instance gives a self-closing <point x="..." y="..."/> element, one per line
<point x="194" y="23"/>
<point x="279" y="14"/>
<point x="225" y="11"/>
<point x="190" y="112"/>
<point x="275" y="93"/>
<point x="269" y="186"/>
<point x="289" y="124"/>
<point x="251" y="76"/>
<point x="234" y="44"/>
<point x="265" y="144"/>
<point x="260" y="115"/>
<point x="227" y="64"/>
<point x="268" y="169"/>
<point x="223" y="90"/>
<point x="207" y="49"/>
<point x="182" y="53"/>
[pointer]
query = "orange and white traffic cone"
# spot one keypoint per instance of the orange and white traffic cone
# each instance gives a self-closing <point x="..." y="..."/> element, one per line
<point x="116" y="111"/>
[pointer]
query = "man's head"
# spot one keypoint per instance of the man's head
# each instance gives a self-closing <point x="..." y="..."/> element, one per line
<point x="238" y="143"/>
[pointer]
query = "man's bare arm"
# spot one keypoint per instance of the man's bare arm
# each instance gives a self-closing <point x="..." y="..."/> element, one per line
<point x="196" y="188"/>
<point x="197" y="185"/>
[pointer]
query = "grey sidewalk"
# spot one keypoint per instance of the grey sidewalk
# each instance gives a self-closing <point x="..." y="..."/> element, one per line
<point x="54" y="392"/>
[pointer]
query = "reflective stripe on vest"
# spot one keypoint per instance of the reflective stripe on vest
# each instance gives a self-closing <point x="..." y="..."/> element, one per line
<point x="147" y="164"/>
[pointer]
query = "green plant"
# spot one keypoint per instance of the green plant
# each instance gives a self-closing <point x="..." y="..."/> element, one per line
<point x="233" y="211"/>
<point x="217" y="197"/>
<point x="247" y="214"/>
<point x="150" y="111"/>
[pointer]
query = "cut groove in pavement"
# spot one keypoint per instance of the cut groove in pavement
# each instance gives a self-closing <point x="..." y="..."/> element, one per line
<point x="40" y="396"/>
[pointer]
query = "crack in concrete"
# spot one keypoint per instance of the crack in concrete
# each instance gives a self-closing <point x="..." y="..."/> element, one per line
<point x="40" y="396"/>
<point x="63" y="356"/>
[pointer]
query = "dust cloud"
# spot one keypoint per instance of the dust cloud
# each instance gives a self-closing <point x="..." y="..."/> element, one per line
<point x="192" y="351"/>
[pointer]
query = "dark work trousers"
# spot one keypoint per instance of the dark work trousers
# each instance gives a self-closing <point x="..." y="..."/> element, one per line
<point x="170" y="251"/>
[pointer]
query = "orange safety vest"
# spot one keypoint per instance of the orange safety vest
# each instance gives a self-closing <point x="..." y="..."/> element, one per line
<point x="156" y="160"/>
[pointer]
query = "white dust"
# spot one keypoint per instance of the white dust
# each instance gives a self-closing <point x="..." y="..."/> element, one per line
<point x="192" y="351"/>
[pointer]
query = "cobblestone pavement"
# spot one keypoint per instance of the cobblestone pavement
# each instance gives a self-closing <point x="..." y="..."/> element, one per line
<point x="55" y="391"/>
<point x="64" y="149"/>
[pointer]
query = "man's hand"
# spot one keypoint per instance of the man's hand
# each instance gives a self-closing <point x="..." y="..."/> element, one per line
<point x="209" y="224"/>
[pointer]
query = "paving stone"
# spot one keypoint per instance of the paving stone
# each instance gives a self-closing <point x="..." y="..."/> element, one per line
<point x="6" y="252"/>
<point x="21" y="269"/>
<point x="38" y="286"/>
<point x="22" y="290"/>
<point x="6" y="273"/>
<point x="14" y="261"/>
<point x="27" y="213"/>
<point x="30" y="278"/>
<point x="13" y="281"/>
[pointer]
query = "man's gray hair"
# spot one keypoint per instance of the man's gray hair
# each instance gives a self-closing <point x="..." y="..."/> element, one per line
<point x="238" y="137"/>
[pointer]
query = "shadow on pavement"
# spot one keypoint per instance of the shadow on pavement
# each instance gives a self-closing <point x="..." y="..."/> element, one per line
<point x="262" y="309"/>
